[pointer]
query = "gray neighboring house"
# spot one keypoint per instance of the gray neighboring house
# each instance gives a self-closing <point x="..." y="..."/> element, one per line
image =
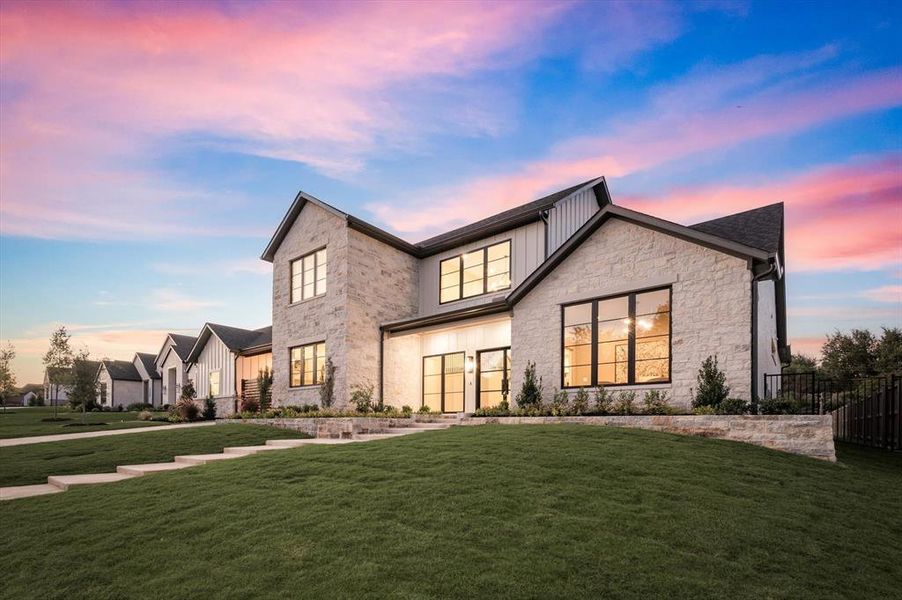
<point x="58" y="383"/>
<point x="118" y="384"/>
<point x="150" y="378"/>
<point x="171" y="364"/>
<point x="590" y="292"/>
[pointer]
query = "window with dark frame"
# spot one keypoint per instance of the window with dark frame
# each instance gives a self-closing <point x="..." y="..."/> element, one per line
<point x="617" y="340"/>
<point x="481" y="271"/>
<point x="308" y="364"/>
<point x="308" y="276"/>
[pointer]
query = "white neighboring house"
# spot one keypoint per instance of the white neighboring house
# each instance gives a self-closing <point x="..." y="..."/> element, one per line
<point x="150" y="378"/>
<point x="225" y="362"/>
<point x="58" y="383"/>
<point x="171" y="364"/>
<point x="118" y="384"/>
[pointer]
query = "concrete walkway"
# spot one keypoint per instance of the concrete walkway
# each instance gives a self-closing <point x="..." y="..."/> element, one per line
<point x="61" y="483"/>
<point x="64" y="437"/>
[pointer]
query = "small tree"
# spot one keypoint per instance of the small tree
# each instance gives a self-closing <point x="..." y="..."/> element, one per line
<point x="530" y="395"/>
<point x="209" y="413"/>
<point x="84" y="382"/>
<point x="581" y="402"/>
<point x="327" y="389"/>
<point x="362" y="397"/>
<point x="264" y="386"/>
<point x="186" y="407"/>
<point x="58" y="356"/>
<point x="188" y="392"/>
<point x="7" y="379"/>
<point x="603" y="400"/>
<point x="712" y="385"/>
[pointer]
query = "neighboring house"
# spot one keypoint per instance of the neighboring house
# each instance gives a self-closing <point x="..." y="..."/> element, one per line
<point x="118" y="384"/>
<point x="225" y="362"/>
<point x="171" y="364"/>
<point x="150" y="378"/>
<point x="591" y="293"/>
<point x="58" y="383"/>
<point x="28" y="398"/>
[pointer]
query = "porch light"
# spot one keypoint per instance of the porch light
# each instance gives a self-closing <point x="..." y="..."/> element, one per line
<point x="471" y="364"/>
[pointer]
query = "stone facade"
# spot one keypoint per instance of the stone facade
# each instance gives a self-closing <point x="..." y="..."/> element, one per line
<point x="808" y="435"/>
<point x="711" y="305"/>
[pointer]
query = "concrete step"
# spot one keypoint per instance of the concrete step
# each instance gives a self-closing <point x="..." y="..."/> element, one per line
<point x="64" y="482"/>
<point x="138" y="470"/>
<point x="417" y="425"/>
<point x="288" y="443"/>
<point x="368" y="437"/>
<point x="202" y="459"/>
<point x="248" y="450"/>
<point x="26" y="491"/>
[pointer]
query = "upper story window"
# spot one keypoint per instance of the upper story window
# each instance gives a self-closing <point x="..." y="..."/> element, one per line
<point x="478" y="272"/>
<point x="308" y="276"/>
<point x="617" y="341"/>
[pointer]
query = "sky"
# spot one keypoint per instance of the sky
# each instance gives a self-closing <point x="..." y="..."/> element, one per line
<point x="149" y="150"/>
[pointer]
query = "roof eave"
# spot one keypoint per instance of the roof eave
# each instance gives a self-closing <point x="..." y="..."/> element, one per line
<point x="490" y="308"/>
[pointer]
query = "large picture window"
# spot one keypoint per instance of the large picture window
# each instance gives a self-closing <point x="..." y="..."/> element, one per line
<point x="308" y="364"/>
<point x="617" y="341"/>
<point x="478" y="272"/>
<point x="308" y="276"/>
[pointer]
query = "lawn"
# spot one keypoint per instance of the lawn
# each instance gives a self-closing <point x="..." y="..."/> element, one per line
<point x="22" y="465"/>
<point x="24" y="422"/>
<point x="494" y="511"/>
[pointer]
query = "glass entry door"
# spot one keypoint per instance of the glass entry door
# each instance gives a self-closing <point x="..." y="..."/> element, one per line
<point x="493" y="378"/>
<point x="443" y="382"/>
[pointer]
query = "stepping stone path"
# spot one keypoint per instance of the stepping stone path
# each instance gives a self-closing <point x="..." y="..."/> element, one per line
<point x="61" y="483"/>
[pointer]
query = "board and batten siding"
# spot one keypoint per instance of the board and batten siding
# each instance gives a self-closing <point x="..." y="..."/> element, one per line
<point x="527" y="253"/>
<point x="215" y="356"/>
<point x="568" y="215"/>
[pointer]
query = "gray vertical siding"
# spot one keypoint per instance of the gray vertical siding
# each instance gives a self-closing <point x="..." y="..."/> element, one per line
<point x="568" y="215"/>
<point x="527" y="253"/>
<point x="214" y="356"/>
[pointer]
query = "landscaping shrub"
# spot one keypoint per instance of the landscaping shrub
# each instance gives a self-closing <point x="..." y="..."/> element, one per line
<point x="209" y="413"/>
<point x="362" y="398"/>
<point x="704" y="410"/>
<point x="560" y="404"/>
<point x="733" y="406"/>
<point x="712" y="387"/>
<point x="249" y="405"/>
<point x="603" y="401"/>
<point x="406" y="411"/>
<point x="784" y="404"/>
<point x="425" y="410"/>
<point x="327" y="389"/>
<point x="186" y="409"/>
<point x="531" y="391"/>
<point x="145" y="415"/>
<point x="656" y="403"/>
<point x="139" y="406"/>
<point x="264" y="387"/>
<point x="580" y="402"/>
<point x="625" y="403"/>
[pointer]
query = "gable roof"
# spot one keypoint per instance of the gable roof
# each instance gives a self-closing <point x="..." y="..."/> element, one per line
<point x="514" y="217"/>
<point x="760" y="228"/>
<point x="148" y="361"/>
<point x="237" y="340"/>
<point x="63" y="375"/>
<point x="122" y="370"/>
<point x="180" y="344"/>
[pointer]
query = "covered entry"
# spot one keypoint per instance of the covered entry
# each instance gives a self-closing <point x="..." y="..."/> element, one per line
<point x="443" y="382"/>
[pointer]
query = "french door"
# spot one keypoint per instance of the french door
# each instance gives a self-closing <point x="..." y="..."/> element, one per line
<point x="493" y="377"/>
<point x="443" y="382"/>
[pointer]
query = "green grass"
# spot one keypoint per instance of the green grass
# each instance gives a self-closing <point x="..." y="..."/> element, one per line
<point x="25" y="422"/>
<point x="495" y="511"/>
<point x="23" y="465"/>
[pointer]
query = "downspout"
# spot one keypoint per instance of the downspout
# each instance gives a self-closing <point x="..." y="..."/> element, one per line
<point x="754" y="345"/>
<point x="543" y="214"/>
<point x="235" y="385"/>
<point x="381" y="367"/>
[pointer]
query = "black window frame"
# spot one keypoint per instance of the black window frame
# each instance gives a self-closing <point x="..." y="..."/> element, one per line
<point x="444" y="357"/>
<point x="301" y="347"/>
<point x="316" y="267"/>
<point x="631" y="339"/>
<point x="485" y="271"/>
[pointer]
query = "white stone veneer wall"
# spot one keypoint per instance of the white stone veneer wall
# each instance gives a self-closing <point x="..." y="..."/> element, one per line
<point x="711" y="306"/>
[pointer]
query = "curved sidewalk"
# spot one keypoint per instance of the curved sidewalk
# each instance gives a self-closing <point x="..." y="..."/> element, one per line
<point x="63" y="437"/>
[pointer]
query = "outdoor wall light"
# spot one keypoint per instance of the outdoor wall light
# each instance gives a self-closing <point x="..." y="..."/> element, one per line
<point x="471" y="364"/>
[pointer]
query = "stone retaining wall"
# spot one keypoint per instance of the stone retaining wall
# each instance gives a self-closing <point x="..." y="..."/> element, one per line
<point x="329" y="427"/>
<point x="808" y="435"/>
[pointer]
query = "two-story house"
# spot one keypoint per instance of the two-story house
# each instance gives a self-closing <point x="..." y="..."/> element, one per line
<point x="592" y="293"/>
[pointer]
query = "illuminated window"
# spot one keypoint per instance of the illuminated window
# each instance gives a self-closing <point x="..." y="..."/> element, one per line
<point x="616" y="341"/>
<point x="214" y="383"/>
<point x="308" y="276"/>
<point x="308" y="364"/>
<point x="481" y="271"/>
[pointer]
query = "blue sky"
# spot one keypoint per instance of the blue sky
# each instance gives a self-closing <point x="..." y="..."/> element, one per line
<point x="149" y="150"/>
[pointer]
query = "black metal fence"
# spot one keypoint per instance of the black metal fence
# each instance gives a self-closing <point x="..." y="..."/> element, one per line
<point x="865" y="410"/>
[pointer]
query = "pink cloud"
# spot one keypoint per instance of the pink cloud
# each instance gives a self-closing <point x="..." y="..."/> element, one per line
<point x="887" y="293"/>
<point x="809" y="346"/>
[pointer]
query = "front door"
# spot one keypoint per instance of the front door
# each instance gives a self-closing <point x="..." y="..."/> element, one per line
<point x="493" y="377"/>
<point x="443" y="382"/>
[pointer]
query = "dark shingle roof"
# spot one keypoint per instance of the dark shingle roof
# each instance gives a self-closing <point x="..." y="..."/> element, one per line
<point x="759" y="228"/>
<point x="63" y="375"/>
<point x="238" y="339"/>
<point x="183" y="344"/>
<point x="122" y="370"/>
<point x="147" y="360"/>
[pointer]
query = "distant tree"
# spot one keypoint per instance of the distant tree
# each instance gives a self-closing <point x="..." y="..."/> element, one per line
<point x="7" y="379"/>
<point x="889" y="352"/>
<point x="59" y="355"/>
<point x="847" y="356"/>
<point x="800" y="363"/>
<point x="83" y="393"/>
